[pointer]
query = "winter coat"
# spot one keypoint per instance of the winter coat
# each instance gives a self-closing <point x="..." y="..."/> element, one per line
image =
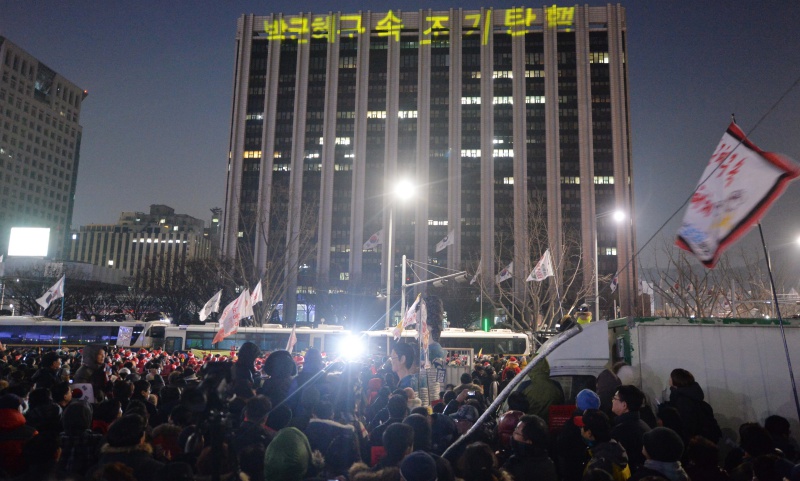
<point x="527" y="461"/>
<point x="321" y="432"/>
<point x="668" y="471"/>
<point x="13" y="435"/>
<point x="362" y="472"/>
<point x="45" y="377"/>
<point x="572" y="454"/>
<point x="609" y="457"/>
<point x="629" y="431"/>
<point x="139" y="458"/>
<point x="607" y="385"/>
<point x="542" y="392"/>
<point x="689" y="401"/>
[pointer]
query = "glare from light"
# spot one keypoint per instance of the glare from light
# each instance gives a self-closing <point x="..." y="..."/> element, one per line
<point x="351" y="347"/>
<point x="404" y="189"/>
<point x="798" y="240"/>
<point x="618" y="216"/>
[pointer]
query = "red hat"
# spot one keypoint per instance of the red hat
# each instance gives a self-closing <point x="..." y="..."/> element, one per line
<point x="512" y="359"/>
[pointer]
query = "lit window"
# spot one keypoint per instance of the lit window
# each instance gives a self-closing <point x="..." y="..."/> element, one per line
<point x="175" y="228"/>
<point x="252" y="154"/>
<point x="344" y="276"/>
<point x="534" y="99"/>
<point x="74" y="236"/>
<point x="110" y="263"/>
<point x="570" y="180"/>
<point x="163" y="221"/>
<point x="610" y="251"/>
<point x="607" y="179"/>
<point x="376" y="114"/>
<point x="508" y="180"/>
<point x="240" y="234"/>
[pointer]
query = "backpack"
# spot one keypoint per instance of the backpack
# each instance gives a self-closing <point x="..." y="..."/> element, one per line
<point x="709" y="428"/>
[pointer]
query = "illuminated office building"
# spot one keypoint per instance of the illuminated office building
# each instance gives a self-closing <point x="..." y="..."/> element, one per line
<point x="40" y="143"/>
<point x="482" y="109"/>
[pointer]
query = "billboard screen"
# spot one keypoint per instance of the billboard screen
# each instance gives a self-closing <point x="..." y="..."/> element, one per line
<point x="29" y="241"/>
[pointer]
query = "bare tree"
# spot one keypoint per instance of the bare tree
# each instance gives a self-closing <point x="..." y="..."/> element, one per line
<point x="738" y="286"/>
<point x="546" y="299"/>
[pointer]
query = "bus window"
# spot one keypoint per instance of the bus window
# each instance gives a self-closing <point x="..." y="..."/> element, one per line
<point x="172" y="344"/>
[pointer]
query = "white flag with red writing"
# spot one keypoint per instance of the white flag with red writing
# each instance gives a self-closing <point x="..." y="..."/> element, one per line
<point x="234" y="312"/>
<point x="738" y="185"/>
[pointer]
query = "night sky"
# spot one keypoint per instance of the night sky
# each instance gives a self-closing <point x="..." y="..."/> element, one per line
<point x="159" y="75"/>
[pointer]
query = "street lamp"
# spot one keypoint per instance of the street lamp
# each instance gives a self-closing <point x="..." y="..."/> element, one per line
<point x="403" y="190"/>
<point x="618" y="217"/>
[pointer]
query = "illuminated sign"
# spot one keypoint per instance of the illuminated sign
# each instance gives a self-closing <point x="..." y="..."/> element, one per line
<point x="513" y="21"/>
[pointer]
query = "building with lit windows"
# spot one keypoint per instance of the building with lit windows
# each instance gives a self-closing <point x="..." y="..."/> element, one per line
<point x="40" y="143"/>
<point x="483" y="109"/>
<point x="160" y="239"/>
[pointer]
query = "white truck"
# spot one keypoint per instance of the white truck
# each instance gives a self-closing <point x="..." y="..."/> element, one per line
<point x="739" y="363"/>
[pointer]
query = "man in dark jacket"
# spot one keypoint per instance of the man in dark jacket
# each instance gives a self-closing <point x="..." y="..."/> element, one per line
<point x="606" y="454"/>
<point x="253" y="430"/>
<point x="529" y="444"/>
<point x="47" y="374"/>
<point x="629" y="429"/>
<point x="322" y="429"/>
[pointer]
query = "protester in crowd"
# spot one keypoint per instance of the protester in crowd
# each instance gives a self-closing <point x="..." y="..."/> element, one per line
<point x="629" y="428"/>
<point x="663" y="449"/>
<point x="529" y="444"/>
<point x="403" y="358"/>
<point x="542" y="392"/>
<point x="478" y="463"/>
<point x="780" y="431"/>
<point x="571" y="446"/>
<point x="14" y="433"/>
<point x="289" y="458"/>
<point x="697" y="416"/>
<point x="80" y="447"/>
<point x="47" y="375"/>
<point x="281" y="369"/>
<point x="605" y="453"/>
<point x="125" y="443"/>
<point x="703" y="461"/>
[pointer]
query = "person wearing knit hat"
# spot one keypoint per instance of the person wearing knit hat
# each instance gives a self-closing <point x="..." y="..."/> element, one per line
<point x="587" y="399"/>
<point x="418" y="466"/>
<point x="288" y="456"/>
<point x="663" y="449"/>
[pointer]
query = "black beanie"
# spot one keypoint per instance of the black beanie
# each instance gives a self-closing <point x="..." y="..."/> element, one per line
<point x="663" y="444"/>
<point x="126" y="431"/>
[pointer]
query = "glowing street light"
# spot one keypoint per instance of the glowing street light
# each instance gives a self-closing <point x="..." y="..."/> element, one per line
<point x="402" y="191"/>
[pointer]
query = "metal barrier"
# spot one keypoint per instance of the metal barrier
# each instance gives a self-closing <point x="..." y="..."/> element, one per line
<point x="460" y="361"/>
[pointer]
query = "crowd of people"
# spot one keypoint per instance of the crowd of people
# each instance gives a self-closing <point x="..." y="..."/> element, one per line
<point x="105" y="413"/>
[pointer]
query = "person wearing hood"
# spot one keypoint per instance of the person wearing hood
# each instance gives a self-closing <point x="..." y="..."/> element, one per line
<point x="606" y="454"/>
<point x="80" y="446"/>
<point x="529" y="444"/>
<point x="686" y="395"/>
<point x="542" y="392"/>
<point x="663" y="449"/>
<point x="92" y="368"/>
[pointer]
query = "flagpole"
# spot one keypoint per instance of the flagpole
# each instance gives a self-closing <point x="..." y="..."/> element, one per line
<point x="780" y="320"/>
<point x="61" y="324"/>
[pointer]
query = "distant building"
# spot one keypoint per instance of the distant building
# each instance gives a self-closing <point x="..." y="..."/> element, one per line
<point x="140" y="239"/>
<point x="483" y="110"/>
<point x="40" y="142"/>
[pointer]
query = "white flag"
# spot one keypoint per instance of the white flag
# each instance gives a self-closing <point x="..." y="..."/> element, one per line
<point x="737" y="187"/>
<point x="55" y="292"/>
<point x="211" y="306"/>
<point x="506" y="273"/>
<point x="373" y="241"/>
<point x="409" y="319"/>
<point x="238" y="309"/>
<point x="645" y="288"/>
<point x="292" y="339"/>
<point x="257" y="295"/>
<point x="543" y="269"/>
<point x="448" y="240"/>
<point x="614" y="283"/>
<point x="477" y="273"/>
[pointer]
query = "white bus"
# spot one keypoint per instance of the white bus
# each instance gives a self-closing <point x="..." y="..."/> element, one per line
<point x="496" y="341"/>
<point x="330" y="339"/>
<point x="27" y="331"/>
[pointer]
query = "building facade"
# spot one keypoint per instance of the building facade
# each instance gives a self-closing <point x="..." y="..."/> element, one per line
<point x="40" y="142"/>
<point x="160" y="240"/>
<point x="497" y="116"/>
